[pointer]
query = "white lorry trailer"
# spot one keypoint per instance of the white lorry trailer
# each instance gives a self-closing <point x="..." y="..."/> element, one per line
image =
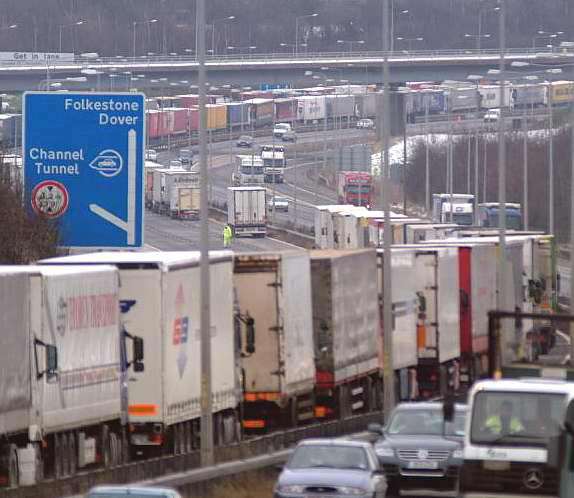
<point x="404" y="327"/>
<point x="345" y="331"/>
<point x="161" y="290"/>
<point x="273" y="294"/>
<point x="61" y="371"/>
<point x="246" y="211"/>
<point x="185" y="203"/>
<point x="438" y="324"/>
<point x="166" y="181"/>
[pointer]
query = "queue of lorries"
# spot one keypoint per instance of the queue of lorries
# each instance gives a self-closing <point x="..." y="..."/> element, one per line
<point x="102" y="360"/>
<point x="234" y="109"/>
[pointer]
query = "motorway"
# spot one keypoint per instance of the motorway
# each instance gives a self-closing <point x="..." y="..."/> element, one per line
<point x="163" y="233"/>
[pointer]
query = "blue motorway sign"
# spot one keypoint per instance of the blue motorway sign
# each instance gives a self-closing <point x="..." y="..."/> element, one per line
<point x="83" y="165"/>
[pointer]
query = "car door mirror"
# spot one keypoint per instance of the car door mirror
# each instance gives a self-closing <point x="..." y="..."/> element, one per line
<point x="376" y="428"/>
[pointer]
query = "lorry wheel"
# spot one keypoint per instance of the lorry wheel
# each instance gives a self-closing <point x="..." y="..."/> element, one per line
<point x="393" y="490"/>
<point x="105" y="446"/>
<point x="13" y="473"/>
<point x="114" y="450"/>
<point x="188" y="437"/>
<point x="58" y="471"/>
<point x="65" y="455"/>
<point x="39" y="462"/>
<point x="72" y="454"/>
<point x="125" y="446"/>
<point x="176" y="439"/>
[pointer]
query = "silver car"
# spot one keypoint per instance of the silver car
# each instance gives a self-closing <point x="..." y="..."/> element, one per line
<point x="418" y="451"/>
<point x="331" y="467"/>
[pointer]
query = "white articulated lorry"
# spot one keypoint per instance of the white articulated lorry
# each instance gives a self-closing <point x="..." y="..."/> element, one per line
<point x="438" y="328"/>
<point x="455" y="208"/>
<point x="61" y="372"/>
<point x="246" y="211"/>
<point x="166" y="181"/>
<point x="162" y="292"/>
<point x="404" y="327"/>
<point x="345" y="331"/>
<point x="273" y="293"/>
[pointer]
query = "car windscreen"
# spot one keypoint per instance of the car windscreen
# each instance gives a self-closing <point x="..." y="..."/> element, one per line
<point x="279" y="199"/>
<point x="329" y="456"/>
<point x="462" y="218"/>
<point x="516" y="418"/>
<point x="427" y="422"/>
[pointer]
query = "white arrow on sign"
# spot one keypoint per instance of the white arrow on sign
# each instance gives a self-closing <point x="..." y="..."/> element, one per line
<point x="128" y="226"/>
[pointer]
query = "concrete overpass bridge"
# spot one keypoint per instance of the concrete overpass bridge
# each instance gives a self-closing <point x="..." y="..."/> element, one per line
<point x="256" y="69"/>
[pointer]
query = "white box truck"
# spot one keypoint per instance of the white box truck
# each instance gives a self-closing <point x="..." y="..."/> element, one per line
<point x="165" y="181"/>
<point x="273" y="294"/>
<point x="323" y="222"/>
<point x="438" y="329"/>
<point x="162" y="292"/>
<point x="346" y="332"/>
<point x="60" y="372"/>
<point x="246" y="211"/>
<point x="185" y="203"/>
<point x="404" y="326"/>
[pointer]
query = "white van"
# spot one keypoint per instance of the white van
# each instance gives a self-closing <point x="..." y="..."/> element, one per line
<point x="132" y="492"/>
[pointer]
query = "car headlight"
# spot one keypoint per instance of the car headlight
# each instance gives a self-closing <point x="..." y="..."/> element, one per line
<point x="383" y="451"/>
<point x="347" y="490"/>
<point x="458" y="454"/>
<point x="293" y="488"/>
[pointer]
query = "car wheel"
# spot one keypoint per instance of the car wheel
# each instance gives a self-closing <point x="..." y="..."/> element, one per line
<point x="393" y="490"/>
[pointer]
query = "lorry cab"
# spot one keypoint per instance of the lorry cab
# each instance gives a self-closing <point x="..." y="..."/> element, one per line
<point x="462" y="214"/>
<point x="440" y="214"/>
<point x="488" y="215"/>
<point x="511" y="429"/>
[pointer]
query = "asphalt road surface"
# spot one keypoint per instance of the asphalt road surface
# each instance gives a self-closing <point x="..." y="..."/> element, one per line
<point x="164" y="234"/>
<point x="300" y="188"/>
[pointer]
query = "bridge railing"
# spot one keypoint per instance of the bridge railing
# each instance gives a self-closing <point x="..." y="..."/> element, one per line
<point x="355" y="56"/>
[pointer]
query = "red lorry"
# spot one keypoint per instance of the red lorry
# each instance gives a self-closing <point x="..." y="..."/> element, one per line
<point x="355" y="187"/>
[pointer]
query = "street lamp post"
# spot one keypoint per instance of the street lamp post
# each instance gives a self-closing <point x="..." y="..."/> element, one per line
<point x="480" y="12"/>
<point x="297" y="30"/>
<point x="388" y="371"/>
<point x="207" y="456"/>
<point x="502" y="160"/>
<point x="476" y="78"/>
<point x="62" y="26"/>
<point x="478" y="37"/>
<point x="545" y="35"/>
<point x="404" y="11"/>
<point x="410" y="41"/>
<point x="350" y="43"/>
<point x="551" y="152"/>
<point x="134" y="26"/>
<point x="292" y="45"/>
<point x="213" y="23"/>
<point x="240" y="49"/>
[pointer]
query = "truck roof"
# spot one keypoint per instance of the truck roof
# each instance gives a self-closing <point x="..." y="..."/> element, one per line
<point x="526" y="385"/>
<point x="246" y="188"/>
<point x="164" y="260"/>
<point x="512" y="205"/>
<point x="457" y="196"/>
<point x="53" y="270"/>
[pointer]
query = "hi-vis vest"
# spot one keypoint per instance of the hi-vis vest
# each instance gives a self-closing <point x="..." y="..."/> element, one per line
<point x="494" y="423"/>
